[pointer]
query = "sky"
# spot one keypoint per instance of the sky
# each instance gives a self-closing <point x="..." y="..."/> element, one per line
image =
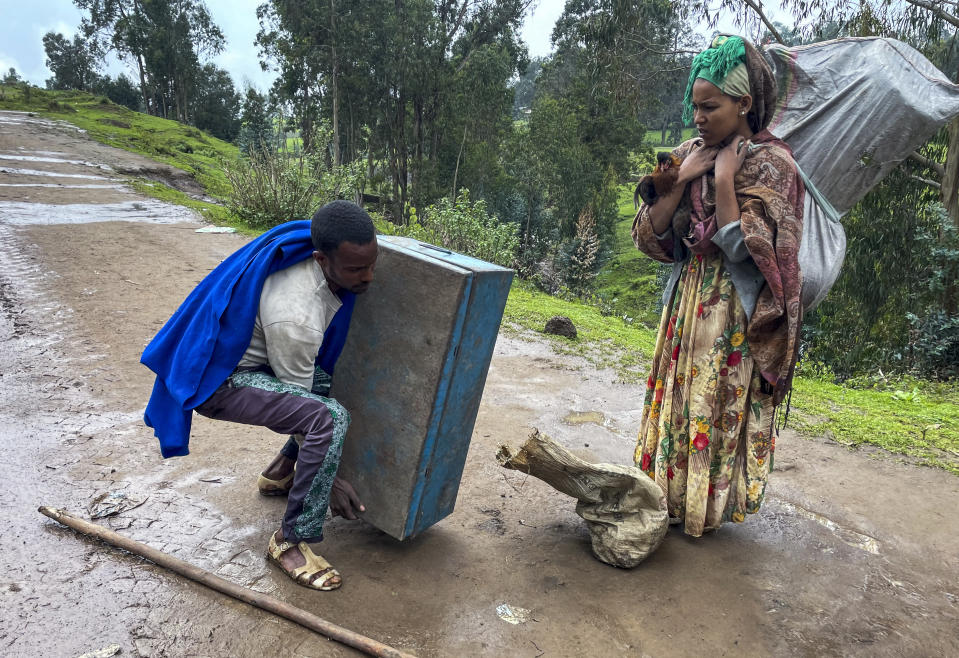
<point x="24" y="22"/>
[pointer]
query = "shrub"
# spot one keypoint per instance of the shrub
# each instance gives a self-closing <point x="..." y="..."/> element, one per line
<point x="269" y="189"/>
<point x="894" y="305"/>
<point x="933" y="348"/>
<point x="581" y="259"/>
<point x="54" y="106"/>
<point x="464" y="227"/>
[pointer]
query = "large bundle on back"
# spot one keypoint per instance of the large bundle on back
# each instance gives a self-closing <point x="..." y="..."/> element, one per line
<point x="851" y="110"/>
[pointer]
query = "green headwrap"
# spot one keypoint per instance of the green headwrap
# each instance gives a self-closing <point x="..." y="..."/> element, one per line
<point x="724" y="65"/>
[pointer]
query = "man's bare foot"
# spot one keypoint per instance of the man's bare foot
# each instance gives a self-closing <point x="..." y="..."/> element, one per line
<point x="319" y="574"/>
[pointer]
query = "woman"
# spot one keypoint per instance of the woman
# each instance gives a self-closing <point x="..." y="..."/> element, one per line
<point x="729" y="332"/>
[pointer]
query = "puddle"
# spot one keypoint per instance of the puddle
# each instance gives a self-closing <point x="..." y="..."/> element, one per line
<point x="583" y="417"/>
<point x="92" y="186"/>
<point x="35" y="158"/>
<point x="23" y="118"/>
<point x="54" y="174"/>
<point x="847" y="536"/>
<point x="23" y="150"/>
<point x="147" y="210"/>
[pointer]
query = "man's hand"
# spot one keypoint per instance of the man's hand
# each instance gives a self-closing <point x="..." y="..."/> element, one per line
<point x="344" y="501"/>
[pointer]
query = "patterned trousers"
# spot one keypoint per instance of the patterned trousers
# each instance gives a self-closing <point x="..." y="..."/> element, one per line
<point x="255" y="397"/>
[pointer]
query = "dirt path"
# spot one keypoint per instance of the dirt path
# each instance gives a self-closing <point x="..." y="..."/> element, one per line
<point x="851" y="555"/>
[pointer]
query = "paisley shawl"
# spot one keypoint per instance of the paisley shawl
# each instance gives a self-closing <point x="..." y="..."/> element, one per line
<point x="770" y="194"/>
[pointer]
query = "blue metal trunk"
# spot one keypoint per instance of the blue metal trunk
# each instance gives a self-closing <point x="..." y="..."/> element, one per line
<point x="412" y="375"/>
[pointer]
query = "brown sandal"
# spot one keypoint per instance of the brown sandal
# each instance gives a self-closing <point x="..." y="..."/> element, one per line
<point x="315" y="574"/>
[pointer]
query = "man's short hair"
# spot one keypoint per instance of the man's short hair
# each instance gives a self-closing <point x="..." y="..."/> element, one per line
<point x="338" y="222"/>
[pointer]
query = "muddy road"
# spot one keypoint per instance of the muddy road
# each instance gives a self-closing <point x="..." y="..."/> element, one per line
<point x="853" y="554"/>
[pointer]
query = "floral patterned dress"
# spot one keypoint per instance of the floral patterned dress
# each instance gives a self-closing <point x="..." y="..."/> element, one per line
<point x="708" y="427"/>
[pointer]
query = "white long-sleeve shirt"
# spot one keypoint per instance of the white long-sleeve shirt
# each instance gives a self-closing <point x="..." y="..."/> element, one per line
<point x="296" y="307"/>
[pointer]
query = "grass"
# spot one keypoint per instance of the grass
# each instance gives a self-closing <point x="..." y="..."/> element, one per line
<point x="213" y="213"/>
<point x="630" y="277"/>
<point x="606" y="341"/>
<point x="920" y="420"/>
<point x="654" y="138"/>
<point x="914" y="418"/>
<point x="924" y="427"/>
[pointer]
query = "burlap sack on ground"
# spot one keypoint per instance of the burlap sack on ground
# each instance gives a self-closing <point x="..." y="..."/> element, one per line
<point x="623" y="508"/>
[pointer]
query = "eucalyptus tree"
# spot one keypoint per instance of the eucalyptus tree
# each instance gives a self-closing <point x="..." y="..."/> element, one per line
<point x="120" y="90"/>
<point x="524" y="87"/>
<point x="615" y="62"/>
<point x="73" y="63"/>
<point x="930" y="26"/>
<point x="256" y="131"/>
<point x="424" y="83"/>
<point x="165" y="40"/>
<point x="215" y="104"/>
<point x="11" y="77"/>
<point x="305" y="41"/>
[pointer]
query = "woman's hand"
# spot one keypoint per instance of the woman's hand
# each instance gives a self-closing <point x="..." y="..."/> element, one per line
<point x="728" y="162"/>
<point x="730" y="158"/>
<point x="696" y="163"/>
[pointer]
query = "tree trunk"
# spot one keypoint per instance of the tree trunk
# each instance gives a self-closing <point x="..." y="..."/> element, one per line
<point x="950" y="199"/>
<point x="336" y="118"/>
<point x="394" y="162"/>
<point x="143" y="86"/>
<point x="369" y="159"/>
<point x="431" y="126"/>
<point x="335" y="88"/>
<point x="457" y="170"/>
<point x="351" y="137"/>
<point x="181" y="109"/>
<point x="306" y="122"/>
<point x="950" y="180"/>
<point x="403" y="160"/>
<point x="529" y="219"/>
<point x="417" y="147"/>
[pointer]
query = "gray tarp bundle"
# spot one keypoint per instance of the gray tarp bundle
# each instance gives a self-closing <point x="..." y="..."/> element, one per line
<point x="851" y="110"/>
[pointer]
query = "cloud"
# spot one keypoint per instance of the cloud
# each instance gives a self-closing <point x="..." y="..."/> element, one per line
<point x="538" y="26"/>
<point x="61" y="27"/>
<point x="7" y="62"/>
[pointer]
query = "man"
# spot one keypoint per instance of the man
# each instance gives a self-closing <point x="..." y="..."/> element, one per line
<point x="299" y="315"/>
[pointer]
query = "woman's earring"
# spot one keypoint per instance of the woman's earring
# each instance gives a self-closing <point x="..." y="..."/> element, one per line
<point x="742" y="113"/>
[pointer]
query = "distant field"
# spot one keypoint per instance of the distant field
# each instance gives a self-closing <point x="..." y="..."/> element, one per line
<point x="654" y="138"/>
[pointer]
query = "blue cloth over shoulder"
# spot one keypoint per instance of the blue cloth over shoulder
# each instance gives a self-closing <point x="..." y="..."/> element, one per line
<point x="202" y="343"/>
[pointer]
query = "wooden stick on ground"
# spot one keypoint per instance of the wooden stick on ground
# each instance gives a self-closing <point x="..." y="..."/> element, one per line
<point x="263" y="601"/>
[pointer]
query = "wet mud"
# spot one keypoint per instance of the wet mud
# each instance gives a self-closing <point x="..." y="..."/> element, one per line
<point x="852" y="554"/>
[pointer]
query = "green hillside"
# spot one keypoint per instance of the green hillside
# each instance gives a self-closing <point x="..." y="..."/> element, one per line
<point x="163" y="140"/>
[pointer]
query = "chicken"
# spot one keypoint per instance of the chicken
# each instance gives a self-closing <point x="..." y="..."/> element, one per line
<point x="660" y="182"/>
